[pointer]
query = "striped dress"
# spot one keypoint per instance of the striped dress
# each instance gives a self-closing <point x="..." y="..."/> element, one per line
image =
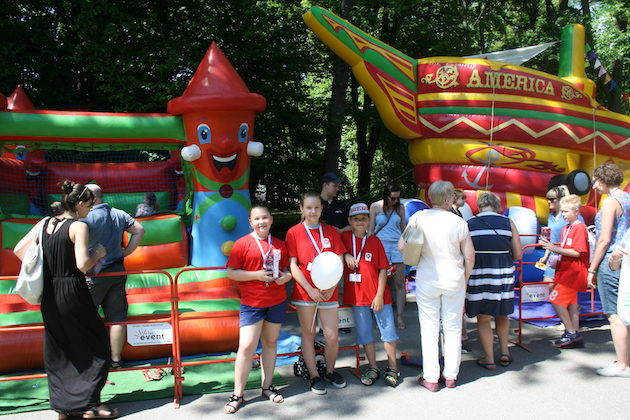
<point x="490" y="288"/>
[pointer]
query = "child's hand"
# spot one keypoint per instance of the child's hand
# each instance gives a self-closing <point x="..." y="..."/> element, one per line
<point x="264" y="275"/>
<point x="284" y="278"/>
<point x="591" y="282"/>
<point x="351" y="262"/>
<point x="547" y="245"/>
<point x="315" y="294"/>
<point x="377" y="303"/>
<point x="327" y="294"/>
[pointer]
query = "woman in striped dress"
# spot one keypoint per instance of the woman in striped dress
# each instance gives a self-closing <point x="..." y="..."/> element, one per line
<point x="490" y="292"/>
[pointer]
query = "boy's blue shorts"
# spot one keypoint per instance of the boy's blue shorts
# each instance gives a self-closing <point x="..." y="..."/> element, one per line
<point x="249" y="315"/>
<point x="364" y="326"/>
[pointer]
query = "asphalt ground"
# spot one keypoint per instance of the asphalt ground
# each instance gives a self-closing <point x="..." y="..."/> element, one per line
<point x="544" y="383"/>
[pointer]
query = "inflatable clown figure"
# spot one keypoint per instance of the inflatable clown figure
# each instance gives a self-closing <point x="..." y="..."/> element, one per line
<point x="218" y="114"/>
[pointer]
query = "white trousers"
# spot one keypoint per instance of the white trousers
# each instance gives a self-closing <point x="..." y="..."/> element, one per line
<point x="435" y="305"/>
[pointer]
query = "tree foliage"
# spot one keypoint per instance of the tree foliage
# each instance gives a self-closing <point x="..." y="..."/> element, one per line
<point x="122" y="56"/>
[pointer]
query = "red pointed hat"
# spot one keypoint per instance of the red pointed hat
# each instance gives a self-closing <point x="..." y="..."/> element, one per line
<point x="19" y="100"/>
<point x="216" y="86"/>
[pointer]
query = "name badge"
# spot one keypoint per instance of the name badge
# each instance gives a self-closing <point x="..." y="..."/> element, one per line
<point x="368" y="256"/>
<point x="355" y="278"/>
<point x="569" y="241"/>
<point x="309" y="266"/>
<point x="325" y="243"/>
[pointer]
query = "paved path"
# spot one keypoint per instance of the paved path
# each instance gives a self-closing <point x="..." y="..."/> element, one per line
<point x="546" y="383"/>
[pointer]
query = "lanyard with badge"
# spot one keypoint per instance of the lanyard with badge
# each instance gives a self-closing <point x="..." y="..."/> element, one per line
<point x="356" y="277"/>
<point x="270" y="259"/>
<point x="325" y="242"/>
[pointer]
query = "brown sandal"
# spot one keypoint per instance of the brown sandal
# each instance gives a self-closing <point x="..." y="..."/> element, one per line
<point x="234" y="403"/>
<point x="272" y="394"/>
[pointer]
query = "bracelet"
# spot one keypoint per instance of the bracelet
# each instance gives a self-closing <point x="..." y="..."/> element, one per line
<point x="592" y="271"/>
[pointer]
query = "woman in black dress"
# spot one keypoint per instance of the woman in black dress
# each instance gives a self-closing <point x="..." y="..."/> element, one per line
<point x="76" y="346"/>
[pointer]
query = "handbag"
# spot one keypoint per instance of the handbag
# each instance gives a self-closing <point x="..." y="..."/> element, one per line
<point x="413" y="237"/>
<point x="30" y="282"/>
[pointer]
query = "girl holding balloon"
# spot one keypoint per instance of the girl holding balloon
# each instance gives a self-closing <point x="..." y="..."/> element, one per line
<point x="316" y="286"/>
<point x="260" y="264"/>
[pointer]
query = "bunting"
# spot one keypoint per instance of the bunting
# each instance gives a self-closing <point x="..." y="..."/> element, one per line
<point x="602" y="73"/>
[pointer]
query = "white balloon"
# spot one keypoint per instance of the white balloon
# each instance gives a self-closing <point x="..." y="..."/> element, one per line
<point x="326" y="270"/>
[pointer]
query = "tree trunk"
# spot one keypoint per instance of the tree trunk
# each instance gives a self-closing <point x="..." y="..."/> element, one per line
<point x="337" y="106"/>
<point x="614" y="97"/>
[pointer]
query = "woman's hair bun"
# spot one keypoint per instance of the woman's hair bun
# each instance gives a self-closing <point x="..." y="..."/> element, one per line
<point x="67" y="186"/>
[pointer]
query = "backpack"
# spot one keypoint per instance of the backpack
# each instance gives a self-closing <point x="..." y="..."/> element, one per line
<point x="300" y="369"/>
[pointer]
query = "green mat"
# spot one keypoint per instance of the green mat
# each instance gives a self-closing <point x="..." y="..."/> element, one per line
<point x="32" y="394"/>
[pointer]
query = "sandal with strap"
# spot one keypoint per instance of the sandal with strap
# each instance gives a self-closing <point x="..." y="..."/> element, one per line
<point x="272" y="394"/>
<point x="234" y="403"/>
<point x="391" y="377"/>
<point x="101" y="412"/>
<point x="370" y="376"/>
<point x="505" y="360"/>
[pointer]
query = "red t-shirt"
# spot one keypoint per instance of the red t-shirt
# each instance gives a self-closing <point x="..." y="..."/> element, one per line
<point x="300" y="246"/>
<point x="372" y="260"/>
<point x="572" y="272"/>
<point x="246" y="256"/>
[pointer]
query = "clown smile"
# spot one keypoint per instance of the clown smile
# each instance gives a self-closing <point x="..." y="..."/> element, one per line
<point x="228" y="162"/>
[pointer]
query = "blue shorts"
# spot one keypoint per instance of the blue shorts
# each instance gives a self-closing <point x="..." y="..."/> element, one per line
<point x="384" y="320"/>
<point x="250" y="315"/>
<point x="391" y="250"/>
<point x="608" y="286"/>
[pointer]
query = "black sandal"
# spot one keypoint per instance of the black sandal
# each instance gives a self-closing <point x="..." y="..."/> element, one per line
<point x="370" y="376"/>
<point x="101" y="412"/>
<point x="391" y="377"/>
<point x="272" y="394"/>
<point x="234" y="403"/>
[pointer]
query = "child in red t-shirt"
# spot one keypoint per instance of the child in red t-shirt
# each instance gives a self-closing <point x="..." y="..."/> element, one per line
<point x="305" y="241"/>
<point x="365" y="288"/>
<point x="260" y="264"/>
<point x="571" y="271"/>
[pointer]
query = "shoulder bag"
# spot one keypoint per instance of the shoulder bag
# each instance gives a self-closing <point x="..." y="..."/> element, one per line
<point x="413" y="238"/>
<point x="30" y="282"/>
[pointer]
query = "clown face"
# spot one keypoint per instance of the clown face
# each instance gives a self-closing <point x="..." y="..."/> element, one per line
<point x="222" y="138"/>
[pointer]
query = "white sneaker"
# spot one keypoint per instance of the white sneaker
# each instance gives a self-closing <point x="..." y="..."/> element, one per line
<point x="613" y="370"/>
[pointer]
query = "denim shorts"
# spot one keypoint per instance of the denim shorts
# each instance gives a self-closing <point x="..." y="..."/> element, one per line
<point x="250" y="315"/>
<point x="322" y="305"/>
<point x="384" y="320"/>
<point x="608" y="286"/>
<point x="391" y="250"/>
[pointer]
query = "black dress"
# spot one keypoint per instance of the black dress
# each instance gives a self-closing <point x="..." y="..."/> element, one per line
<point x="76" y="346"/>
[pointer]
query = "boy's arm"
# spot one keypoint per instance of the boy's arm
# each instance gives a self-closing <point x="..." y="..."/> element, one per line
<point x="377" y="302"/>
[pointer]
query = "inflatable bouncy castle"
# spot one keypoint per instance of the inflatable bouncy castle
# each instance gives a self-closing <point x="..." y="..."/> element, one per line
<point x="195" y="159"/>
<point x="487" y="125"/>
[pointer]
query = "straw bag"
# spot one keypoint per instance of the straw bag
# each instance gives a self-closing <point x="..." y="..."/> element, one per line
<point x="30" y="282"/>
<point x="413" y="237"/>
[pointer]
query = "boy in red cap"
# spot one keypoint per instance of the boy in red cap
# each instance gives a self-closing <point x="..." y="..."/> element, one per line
<point x="365" y="288"/>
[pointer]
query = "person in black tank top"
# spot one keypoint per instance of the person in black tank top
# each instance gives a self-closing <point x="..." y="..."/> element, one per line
<point x="76" y="350"/>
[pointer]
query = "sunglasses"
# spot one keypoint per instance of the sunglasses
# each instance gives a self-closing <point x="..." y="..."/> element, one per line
<point x="552" y="199"/>
<point x="393" y="198"/>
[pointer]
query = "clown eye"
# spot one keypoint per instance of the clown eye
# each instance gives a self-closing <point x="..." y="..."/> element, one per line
<point x="204" y="135"/>
<point x="243" y="132"/>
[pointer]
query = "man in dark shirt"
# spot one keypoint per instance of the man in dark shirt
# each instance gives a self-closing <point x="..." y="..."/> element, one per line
<point x="334" y="213"/>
